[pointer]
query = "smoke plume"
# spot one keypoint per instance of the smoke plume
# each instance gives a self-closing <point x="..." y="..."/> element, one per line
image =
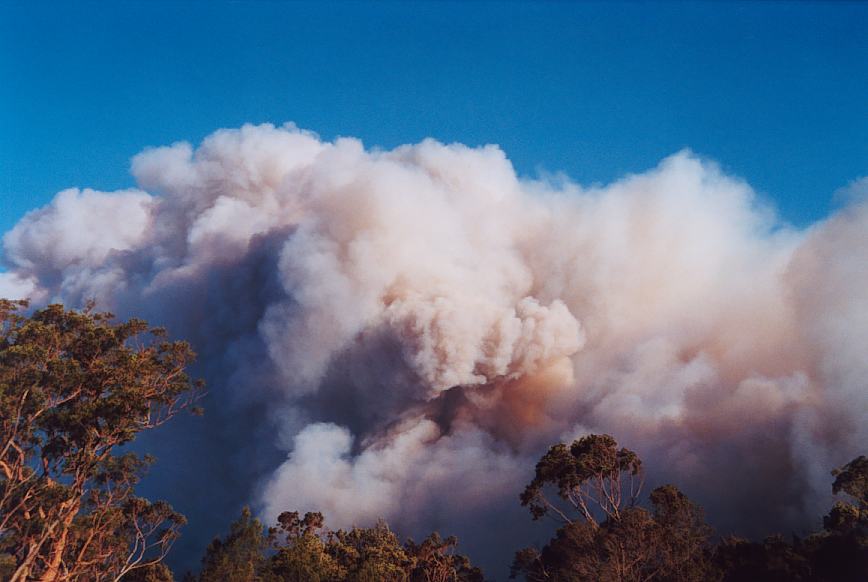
<point x="402" y="333"/>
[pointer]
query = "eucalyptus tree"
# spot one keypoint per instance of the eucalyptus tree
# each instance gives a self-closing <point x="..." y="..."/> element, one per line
<point x="75" y="386"/>
<point x="592" y="489"/>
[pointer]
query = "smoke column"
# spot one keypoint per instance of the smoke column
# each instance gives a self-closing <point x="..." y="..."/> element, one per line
<point x="402" y="333"/>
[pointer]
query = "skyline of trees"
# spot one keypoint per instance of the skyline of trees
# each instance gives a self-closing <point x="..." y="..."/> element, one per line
<point x="76" y="386"/>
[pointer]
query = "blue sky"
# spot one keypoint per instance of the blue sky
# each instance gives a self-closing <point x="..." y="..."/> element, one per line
<point x="777" y="93"/>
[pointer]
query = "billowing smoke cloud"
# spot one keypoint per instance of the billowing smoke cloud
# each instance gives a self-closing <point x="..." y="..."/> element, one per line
<point x="411" y="328"/>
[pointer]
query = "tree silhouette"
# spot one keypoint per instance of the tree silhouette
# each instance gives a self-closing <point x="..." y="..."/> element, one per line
<point x="605" y="535"/>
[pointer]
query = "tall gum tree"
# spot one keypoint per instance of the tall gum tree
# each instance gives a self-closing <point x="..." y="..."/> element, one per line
<point x="74" y="387"/>
<point x="591" y="488"/>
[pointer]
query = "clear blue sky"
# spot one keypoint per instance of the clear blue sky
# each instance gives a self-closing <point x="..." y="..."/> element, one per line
<point x="777" y="93"/>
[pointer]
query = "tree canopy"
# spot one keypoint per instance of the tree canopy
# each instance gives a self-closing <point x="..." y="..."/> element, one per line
<point x="303" y="549"/>
<point x="606" y="534"/>
<point x="74" y="387"/>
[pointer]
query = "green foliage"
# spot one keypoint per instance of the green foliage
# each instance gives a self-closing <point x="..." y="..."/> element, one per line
<point x="608" y="539"/>
<point x="370" y="554"/>
<point x="590" y="475"/>
<point x="435" y="560"/>
<point x="852" y="479"/>
<point x="74" y="386"/>
<point x="302" y="549"/>
<point x="682" y="543"/>
<point x="239" y="557"/>
<point x="850" y="517"/>
<point x="672" y="542"/>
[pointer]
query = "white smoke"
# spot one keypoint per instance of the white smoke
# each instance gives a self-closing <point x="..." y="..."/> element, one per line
<point x="421" y="323"/>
